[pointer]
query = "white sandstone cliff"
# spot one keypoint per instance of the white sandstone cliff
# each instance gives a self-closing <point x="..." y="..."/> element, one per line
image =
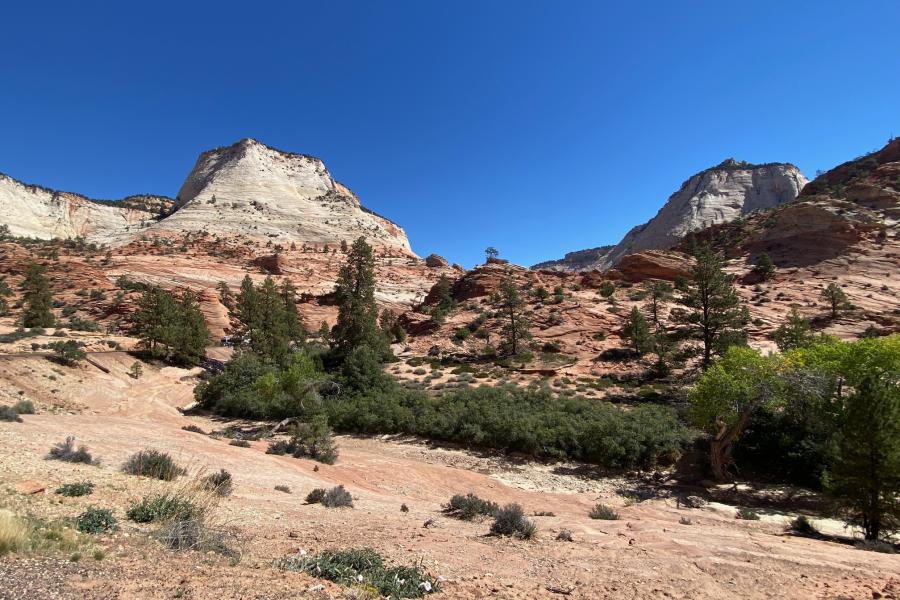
<point x="252" y="189"/>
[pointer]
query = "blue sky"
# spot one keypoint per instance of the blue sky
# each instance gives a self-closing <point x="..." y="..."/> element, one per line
<point x="535" y="127"/>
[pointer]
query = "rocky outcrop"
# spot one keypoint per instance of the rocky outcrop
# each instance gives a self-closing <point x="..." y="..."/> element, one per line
<point x="39" y="212"/>
<point x="252" y="189"/>
<point x="652" y="264"/>
<point x="580" y="260"/>
<point x="714" y="196"/>
<point x="435" y="261"/>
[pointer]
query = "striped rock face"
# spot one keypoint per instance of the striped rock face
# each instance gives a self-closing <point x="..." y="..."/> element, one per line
<point x="251" y="189"/>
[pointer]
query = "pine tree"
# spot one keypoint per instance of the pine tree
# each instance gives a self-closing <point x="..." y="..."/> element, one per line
<point x="293" y="319"/>
<point x="37" y="298"/>
<point x="637" y="331"/>
<point x="764" y="267"/>
<point x="836" y="298"/>
<point x="516" y="327"/>
<point x="391" y="327"/>
<point x="444" y="302"/>
<point x="866" y="477"/>
<point x="5" y="292"/>
<point x="795" y="332"/>
<point x="357" y="322"/>
<point x="225" y="295"/>
<point x="715" y="311"/>
<point x="658" y="293"/>
<point x="155" y="315"/>
<point x="188" y="335"/>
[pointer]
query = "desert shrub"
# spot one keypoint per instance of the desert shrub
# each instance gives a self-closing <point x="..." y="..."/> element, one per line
<point x="24" y="407"/>
<point x="7" y="413"/>
<point x="462" y="333"/>
<point x="96" y="520"/>
<point x="193" y="429"/>
<point x="869" y="545"/>
<point x="337" y="497"/>
<point x="162" y="506"/>
<point x="67" y="452"/>
<point x="315" y="496"/>
<point x="313" y="440"/>
<point x="565" y="536"/>
<point x="747" y="514"/>
<point x="285" y="489"/>
<point x="239" y="443"/>
<point x="469" y="507"/>
<point x="196" y="533"/>
<point x="511" y="521"/>
<point x="364" y="568"/>
<point x="279" y="447"/>
<point x="153" y="464"/>
<point x="219" y="483"/>
<point x="603" y="513"/>
<point x="80" y="488"/>
<point x="803" y="526"/>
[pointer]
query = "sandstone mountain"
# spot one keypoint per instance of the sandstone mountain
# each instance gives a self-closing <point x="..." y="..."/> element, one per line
<point x="39" y="212"/>
<point x="253" y="189"/>
<point x="717" y="195"/>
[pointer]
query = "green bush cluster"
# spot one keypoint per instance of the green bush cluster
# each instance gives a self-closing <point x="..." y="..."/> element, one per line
<point x="71" y="490"/>
<point x="162" y="506"/>
<point x="470" y="507"/>
<point x="96" y="520"/>
<point x="364" y="568"/>
<point x="153" y="464"/>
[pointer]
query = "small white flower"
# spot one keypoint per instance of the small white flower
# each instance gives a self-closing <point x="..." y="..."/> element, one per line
<point x="425" y="585"/>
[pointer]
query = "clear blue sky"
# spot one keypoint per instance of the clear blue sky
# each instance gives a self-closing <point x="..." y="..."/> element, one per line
<point x="535" y="127"/>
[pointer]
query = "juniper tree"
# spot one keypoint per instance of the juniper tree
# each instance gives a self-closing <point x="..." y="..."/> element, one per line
<point x="637" y="331"/>
<point x="491" y="252"/>
<point x="836" y="298"/>
<point x="357" y="322"/>
<point x="865" y="478"/>
<point x="515" y="328"/>
<point x="37" y="298"/>
<point x="715" y="313"/>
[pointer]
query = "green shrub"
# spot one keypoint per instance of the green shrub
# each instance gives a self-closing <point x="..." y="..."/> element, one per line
<point x="603" y="513"/>
<point x="96" y="520"/>
<point x="337" y="497"/>
<point x="81" y="488"/>
<point x="286" y="490"/>
<point x="747" y="514"/>
<point x="24" y="407"/>
<point x="315" y="496"/>
<point x="7" y="413"/>
<point x="511" y="521"/>
<point x="162" y="506"/>
<point x="66" y="451"/>
<point x="239" y="443"/>
<point x="469" y="507"/>
<point x="365" y="568"/>
<point x="220" y="483"/>
<point x="153" y="464"/>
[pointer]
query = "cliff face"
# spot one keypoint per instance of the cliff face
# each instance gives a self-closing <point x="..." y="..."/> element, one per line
<point x="252" y="189"/>
<point x="714" y="196"/>
<point x="34" y="211"/>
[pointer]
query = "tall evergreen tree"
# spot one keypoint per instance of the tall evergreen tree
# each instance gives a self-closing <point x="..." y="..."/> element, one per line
<point x="293" y="320"/>
<point x="637" y="331"/>
<point x="5" y="292"/>
<point x="714" y="309"/>
<point x="190" y="335"/>
<point x="515" y="329"/>
<point x="357" y="322"/>
<point x="37" y="298"/>
<point x="764" y="267"/>
<point x="866" y="477"/>
<point x="156" y="312"/>
<point x="658" y="293"/>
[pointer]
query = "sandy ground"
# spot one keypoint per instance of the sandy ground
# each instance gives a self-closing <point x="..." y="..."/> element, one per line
<point x="646" y="554"/>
